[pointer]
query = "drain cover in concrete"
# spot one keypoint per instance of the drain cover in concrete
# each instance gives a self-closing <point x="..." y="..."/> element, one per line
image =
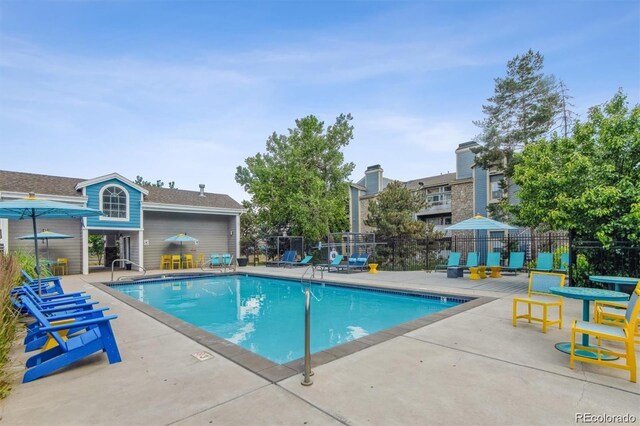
<point x="202" y="356"/>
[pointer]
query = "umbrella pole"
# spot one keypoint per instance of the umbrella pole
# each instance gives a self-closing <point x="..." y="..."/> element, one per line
<point x="35" y="234"/>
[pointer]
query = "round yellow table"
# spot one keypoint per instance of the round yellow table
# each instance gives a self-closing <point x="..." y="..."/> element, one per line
<point x="373" y="268"/>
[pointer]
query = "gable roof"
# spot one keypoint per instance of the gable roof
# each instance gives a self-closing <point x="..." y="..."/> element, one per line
<point x="429" y="181"/>
<point x="110" y="176"/>
<point x="66" y="186"/>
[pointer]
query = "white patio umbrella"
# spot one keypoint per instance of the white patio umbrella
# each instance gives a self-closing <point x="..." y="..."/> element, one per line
<point x="33" y="208"/>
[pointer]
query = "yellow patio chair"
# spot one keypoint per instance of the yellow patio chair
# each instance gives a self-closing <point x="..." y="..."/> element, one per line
<point x="175" y="261"/>
<point x="612" y="313"/>
<point x="61" y="265"/>
<point x="188" y="261"/>
<point x="165" y="261"/>
<point x="612" y="333"/>
<point x="539" y="284"/>
<point x="200" y="261"/>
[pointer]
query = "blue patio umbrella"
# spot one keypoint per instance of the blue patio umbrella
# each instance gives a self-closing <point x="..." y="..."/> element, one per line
<point x="45" y="236"/>
<point x="181" y="238"/>
<point x="33" y="208"/>
<point x="479" y="223"/>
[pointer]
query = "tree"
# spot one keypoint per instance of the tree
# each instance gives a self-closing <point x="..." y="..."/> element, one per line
<point x="392" y="212"/>
<point x="565" y="117"/>
<point x="299" y="185"/>
<point x="522" y="110"/>
<point x="159" y="184"/>
<point x="587" y="183"/>
<point x="96" y="246"/>
<point x="252" y="231"/>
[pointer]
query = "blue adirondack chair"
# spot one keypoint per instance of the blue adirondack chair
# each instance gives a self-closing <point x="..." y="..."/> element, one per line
<point x="516" y="262"/>
<point x="45" y="302"/>
<point x="544" y="263"/>
<point x="48" y="285"/>
<point x="75" y="348"/>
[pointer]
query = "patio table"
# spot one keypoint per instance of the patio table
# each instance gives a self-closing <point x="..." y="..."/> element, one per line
<point x="616" y="281"/>
<point x="586" y="295"/>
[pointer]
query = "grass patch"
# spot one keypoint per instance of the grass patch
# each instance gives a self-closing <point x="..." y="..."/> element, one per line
<point x="9" y="278"/>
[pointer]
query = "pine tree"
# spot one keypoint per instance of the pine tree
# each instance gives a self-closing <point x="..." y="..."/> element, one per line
<point x="523" y="109"/>
<point x="566" y="117"/>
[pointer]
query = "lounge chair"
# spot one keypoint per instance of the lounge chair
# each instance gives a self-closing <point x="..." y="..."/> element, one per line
<point x="227" y="261"/>
<point x="214" y="261"/>
<point x="287" y="256"/>
<point x="539" y="295"/>
<point x="335" y="263"/>
<point x="493" y="259"/>
<point x="306" y="261"/>
<point x="454" y="260"/>
<point x="47" y="301"/>
<point x="360" y="261"/>
<point x="516" y="262"/>
<point x="472" y="260"/>
<point x="544" y="263"/>
<point x="623" y="334"/>
<point x="564" y="263"/>
<point x="75" y="348"/>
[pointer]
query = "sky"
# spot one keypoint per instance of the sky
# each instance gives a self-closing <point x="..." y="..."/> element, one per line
<point x="185" y="91"/>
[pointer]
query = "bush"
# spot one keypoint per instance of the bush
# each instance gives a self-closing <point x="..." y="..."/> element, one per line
<point x="9" y="278"/>
<point x="27" y="262"/>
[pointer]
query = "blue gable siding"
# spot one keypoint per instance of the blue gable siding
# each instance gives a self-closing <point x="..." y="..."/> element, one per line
<point x="135" y="200"/>
<point x="465" y="160"/>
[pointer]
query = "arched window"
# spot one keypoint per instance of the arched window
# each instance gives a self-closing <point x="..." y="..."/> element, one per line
<point x="114" y="202"/>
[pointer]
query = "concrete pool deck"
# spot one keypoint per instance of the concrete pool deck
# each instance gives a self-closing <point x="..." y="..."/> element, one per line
<point x="470" y="368"/>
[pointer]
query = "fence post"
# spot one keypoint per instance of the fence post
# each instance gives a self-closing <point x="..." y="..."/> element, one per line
<point x="572" y="257"/>
<point x="393" y="264"/>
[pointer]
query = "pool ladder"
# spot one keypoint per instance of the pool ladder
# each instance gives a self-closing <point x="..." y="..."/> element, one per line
<point x="126" y="261"/>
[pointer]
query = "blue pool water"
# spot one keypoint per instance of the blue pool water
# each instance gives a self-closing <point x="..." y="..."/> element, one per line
<point x="266" y="315"/>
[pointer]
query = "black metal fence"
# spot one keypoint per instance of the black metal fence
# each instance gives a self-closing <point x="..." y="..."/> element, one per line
<point x="592" y="258"/>
<point x="403" y="254"/>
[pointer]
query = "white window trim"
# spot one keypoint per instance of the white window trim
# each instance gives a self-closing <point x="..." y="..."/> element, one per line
<point x="115" y="219"/>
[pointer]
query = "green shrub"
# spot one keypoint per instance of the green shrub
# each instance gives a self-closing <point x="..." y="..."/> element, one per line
<point x="27" y="262"/>
<point x="9" y="278"/>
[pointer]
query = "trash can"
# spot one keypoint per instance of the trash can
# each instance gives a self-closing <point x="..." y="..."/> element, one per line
<point x="454" y="272"/>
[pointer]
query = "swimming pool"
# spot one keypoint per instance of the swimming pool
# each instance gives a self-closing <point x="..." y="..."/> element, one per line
<point x="265" y="315"/>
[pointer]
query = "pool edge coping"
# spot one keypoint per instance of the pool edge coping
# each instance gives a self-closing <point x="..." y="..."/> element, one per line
<point x="274" y="372"/>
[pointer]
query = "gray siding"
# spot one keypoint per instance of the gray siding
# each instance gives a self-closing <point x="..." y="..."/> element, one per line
<point x="372" y="182"/>
<point x="464" y="161"/>
<point x="212" y="231"/>
<point x="480" y="187"/>
<point x="71" y="248"/>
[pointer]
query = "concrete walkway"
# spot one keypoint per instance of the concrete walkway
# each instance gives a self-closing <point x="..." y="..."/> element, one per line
<point x="470" y="368"/>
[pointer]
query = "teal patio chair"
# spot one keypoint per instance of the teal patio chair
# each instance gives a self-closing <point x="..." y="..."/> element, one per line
<point x="227" y="261"/>
<point x="72" y="349"/>
<point x="335" y="263"/>
<point x="493" y="259"/>
<point x="306" y="261"/>
<point x="454" y="260"/>
<point x="287" y="256"/>
<point x="214" y="261"/>
<point x="544" y="263"/>
<point x="361" y="261"/>
<point x="472" y="260"/>
<point x="516" y="262"/>
<point x="564" y="263"/>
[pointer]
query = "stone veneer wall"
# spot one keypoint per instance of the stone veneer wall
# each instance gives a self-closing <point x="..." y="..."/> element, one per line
<point x="364" y="212"/>
<point x="461" y="201"/>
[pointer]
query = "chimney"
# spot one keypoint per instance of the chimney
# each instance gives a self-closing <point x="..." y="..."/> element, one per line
<point x="202" y="190"/>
